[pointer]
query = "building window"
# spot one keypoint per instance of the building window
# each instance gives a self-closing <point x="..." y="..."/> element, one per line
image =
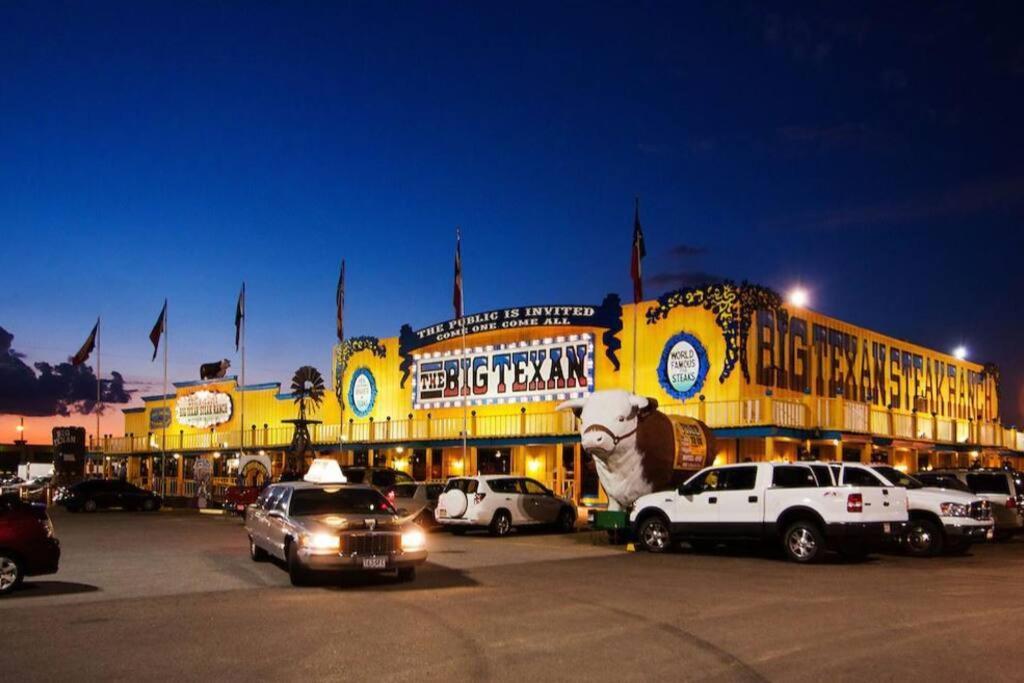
<point x="493" y="461"/>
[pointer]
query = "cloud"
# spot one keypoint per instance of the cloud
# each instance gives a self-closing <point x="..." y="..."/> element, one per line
<point x="972" y="198"/>
<point x="685" y="278"/>
<point x="49" y="390"/>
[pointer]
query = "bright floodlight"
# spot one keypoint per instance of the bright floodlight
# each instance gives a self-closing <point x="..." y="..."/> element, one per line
<point x="798" y="297"/>
<point x="960" y="352"/>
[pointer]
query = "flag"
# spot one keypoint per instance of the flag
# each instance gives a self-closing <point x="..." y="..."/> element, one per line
<point x="159" y="329"/>
<point x="87" y="347"/>
<point x="457" y="292"/>
<point x="639" y="251"/>
<point x="339" y="297"/>
<point x="239" y="315"/>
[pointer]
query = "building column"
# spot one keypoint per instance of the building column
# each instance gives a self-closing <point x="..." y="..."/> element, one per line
<point x="865" y="453"/>
<point x="769" y="449"/>
<point x="577" y="466"/>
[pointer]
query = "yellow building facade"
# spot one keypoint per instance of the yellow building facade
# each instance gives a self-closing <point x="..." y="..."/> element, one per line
<point x="480" y="394"/>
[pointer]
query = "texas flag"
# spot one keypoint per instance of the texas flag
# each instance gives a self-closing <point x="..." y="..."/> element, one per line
<point x="457" y="291"/>
<point x="639" y="251"/>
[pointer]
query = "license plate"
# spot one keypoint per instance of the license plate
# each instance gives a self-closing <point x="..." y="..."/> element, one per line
<point x="887" y="528"/>
<point x="375" y="563"/>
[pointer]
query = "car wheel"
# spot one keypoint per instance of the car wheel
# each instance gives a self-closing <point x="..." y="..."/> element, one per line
<point x="924" y="538"/>
<point x="654" y="535"/>
<point x="298" y="574"/>
<point x="149" y="505"/>
<point x="567" y="521"/>
<point x="406" y="574"/>
<point x="256" y="553"/>
<point x="89" y="505"/>
<point x="501" y="524"/>
<point x="10" y="574"/>
<point x="803" y="542"/>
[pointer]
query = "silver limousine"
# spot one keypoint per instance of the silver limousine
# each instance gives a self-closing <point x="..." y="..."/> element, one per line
<point x="332" y="527"/>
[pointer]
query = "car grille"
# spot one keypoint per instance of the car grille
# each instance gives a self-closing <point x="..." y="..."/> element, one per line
<point x="981" y="510"/>
<point x="370" y="544"/>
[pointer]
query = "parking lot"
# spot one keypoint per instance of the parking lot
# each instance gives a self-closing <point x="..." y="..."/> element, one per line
<point x="173" y="595"/>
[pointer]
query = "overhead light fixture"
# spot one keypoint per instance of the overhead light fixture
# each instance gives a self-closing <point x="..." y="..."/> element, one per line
<point x="960" y="352"/>
<point x="798" y="297"/>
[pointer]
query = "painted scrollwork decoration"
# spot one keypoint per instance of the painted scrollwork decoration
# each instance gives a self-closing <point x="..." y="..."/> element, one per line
<point x="733" y="307"/>
<point x="344" y="352"/>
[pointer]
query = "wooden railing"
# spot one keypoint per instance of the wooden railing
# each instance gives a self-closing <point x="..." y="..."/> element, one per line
<point x="822" y="413"/>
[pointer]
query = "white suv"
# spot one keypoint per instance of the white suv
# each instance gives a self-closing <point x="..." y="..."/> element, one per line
<point x="501" y="502"/>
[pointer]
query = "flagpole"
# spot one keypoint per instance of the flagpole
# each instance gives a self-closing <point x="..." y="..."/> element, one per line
<point x="245" y="314"/>
<point x="99" y="381"/>
<point x="635" y="307"/>
<point x="167" y="409"/>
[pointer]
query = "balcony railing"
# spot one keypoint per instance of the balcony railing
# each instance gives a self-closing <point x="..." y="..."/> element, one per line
<point x="822" y="413"/>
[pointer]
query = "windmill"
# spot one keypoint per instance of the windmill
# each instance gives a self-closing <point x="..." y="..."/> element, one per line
<point x="308" y="394"/>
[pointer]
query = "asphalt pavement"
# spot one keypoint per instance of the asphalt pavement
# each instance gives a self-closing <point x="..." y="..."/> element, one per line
<point x="174" y="596"/>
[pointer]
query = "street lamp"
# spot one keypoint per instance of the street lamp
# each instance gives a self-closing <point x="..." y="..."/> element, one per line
<point x="798" y="297"/>
<point x="960" y="352"/>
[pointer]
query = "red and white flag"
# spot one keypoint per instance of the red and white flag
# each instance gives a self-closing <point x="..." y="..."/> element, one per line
<point x="457" y="291"/>
<point x="159" y="329"/>
<point x="639" y="251"/>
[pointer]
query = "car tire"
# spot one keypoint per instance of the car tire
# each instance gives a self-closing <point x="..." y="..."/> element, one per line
<point x="924" y="538"/>
<point x="566" y="521"/>
<point x="654" y="534"/>
<point x="406" y="574"/>
<point x="89" y="506"/>
<point x="11" y="573"/>
<point x="256" y="553"/>
<point x="803" y="542"/>
<point x="149" y="505"/>
<point x="501" y="524"/>
<point x="298" y="574"/>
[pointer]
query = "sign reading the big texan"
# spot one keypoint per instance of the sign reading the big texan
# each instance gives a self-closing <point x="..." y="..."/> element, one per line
<point x="203" y="409"/>
<point x="552" y="369"/>
<point x="606" y="316"/>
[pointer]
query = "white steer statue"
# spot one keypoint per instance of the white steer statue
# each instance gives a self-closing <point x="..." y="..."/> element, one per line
<point x="635" y="446"/>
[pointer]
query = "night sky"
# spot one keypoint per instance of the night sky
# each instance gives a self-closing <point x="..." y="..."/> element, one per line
<point x="172" y="150"/>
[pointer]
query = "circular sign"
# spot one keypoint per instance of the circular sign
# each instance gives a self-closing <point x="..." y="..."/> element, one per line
<point x="683" y="366"/>
<point x="362" y="392"/>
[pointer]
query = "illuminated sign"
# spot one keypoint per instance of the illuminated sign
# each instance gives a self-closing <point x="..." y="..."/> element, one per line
<point x="362" y="392"/>
<point x="159" y="418"/>
<point x="203" y="409"/>
<point x="683" y="366"/>
<point x="552" y="369"/>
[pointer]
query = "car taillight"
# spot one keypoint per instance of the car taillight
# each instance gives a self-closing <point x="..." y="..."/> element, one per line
<point x="1011" y="502"/>
<point x="391" y="496"/>
<point x="855" y="503"/>
<point x="478" y="497"/>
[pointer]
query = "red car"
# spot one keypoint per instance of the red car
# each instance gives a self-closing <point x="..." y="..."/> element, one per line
<point x="27" y="545"/>
<point x="237" y="498"/>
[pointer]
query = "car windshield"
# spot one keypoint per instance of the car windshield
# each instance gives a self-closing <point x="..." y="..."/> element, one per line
<point x="339" y="501"/>
<point x="943" y="481"/>
<point x="899" y="478"/>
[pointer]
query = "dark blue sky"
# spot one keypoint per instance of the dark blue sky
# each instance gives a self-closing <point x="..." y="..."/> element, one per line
<point x="153" y="150"/>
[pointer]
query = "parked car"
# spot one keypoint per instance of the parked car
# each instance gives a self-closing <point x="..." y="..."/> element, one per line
<point x="316" y="527"/>
<point x="999" y="488"/>
<point x="500" y="503"/>
<point x="941" y="519"/>
<point x="27" y="544"/>
<point x="809" y="508"/>
<point x="238" y="498"/>
<point x="378" y="477"/>
<point x="416" y="501"/>
<point x="96" y="494"/>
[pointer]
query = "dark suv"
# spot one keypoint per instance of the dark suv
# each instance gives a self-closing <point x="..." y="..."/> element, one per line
<point x="378" y="477"/>
<point x="27" y="545"/>
<point x="94" y="494"/>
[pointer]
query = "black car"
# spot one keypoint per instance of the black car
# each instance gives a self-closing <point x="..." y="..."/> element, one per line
<point x="378" y="477"/>
<point x="92" y="495"/>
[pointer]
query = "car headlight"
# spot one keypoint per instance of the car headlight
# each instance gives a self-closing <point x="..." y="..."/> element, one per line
<point x="321" y="541"/>
<point x="955" y="510"/>
<point x="414" y="539"/>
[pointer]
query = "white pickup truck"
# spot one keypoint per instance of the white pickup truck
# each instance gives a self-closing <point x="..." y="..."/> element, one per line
<point x="796" y="503"/>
